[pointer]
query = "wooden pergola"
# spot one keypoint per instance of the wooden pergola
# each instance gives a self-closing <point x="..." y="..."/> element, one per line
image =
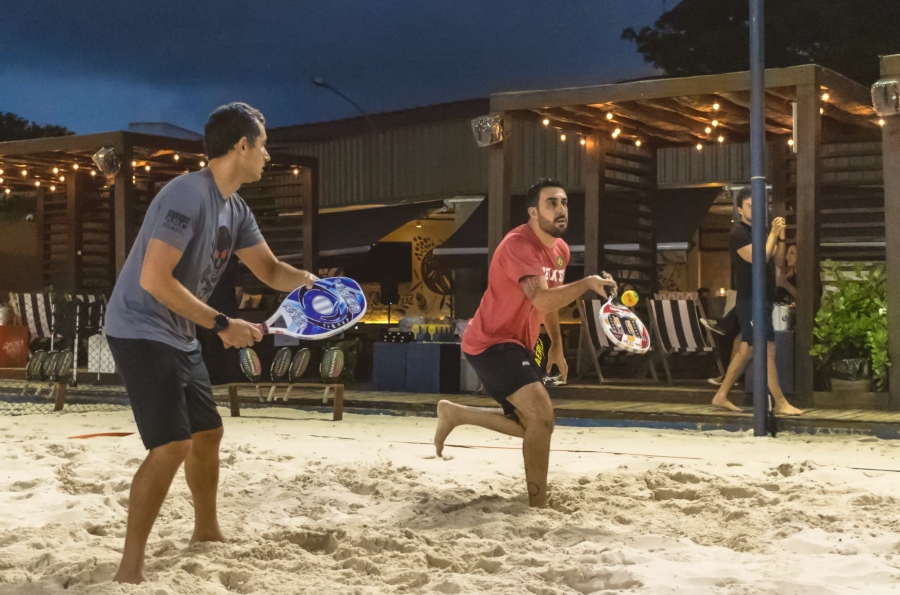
<point x="624" y="124"/>
<point x="87" y="223"/>
<point x="890" y="146"/>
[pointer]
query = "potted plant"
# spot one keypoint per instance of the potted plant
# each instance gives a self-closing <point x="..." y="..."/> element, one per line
<point x="851" y="327"/>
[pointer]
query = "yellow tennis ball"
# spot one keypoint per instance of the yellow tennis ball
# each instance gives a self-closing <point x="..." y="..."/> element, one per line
<point x="630" y="298"/>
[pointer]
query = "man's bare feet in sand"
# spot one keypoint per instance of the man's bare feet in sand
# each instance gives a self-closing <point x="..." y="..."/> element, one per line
<point x="724" y="403"/>
<point x="446" y="423"/>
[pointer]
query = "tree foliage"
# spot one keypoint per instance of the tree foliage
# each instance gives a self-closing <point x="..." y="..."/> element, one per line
<point x="712" y="36"/>
<point x="12" y="127"/>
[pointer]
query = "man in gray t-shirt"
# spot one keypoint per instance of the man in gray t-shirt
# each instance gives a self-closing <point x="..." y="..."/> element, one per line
<point x="189" y="233"/>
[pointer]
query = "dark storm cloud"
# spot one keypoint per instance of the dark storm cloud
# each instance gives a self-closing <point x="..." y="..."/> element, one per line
<point x="390" y="54"/>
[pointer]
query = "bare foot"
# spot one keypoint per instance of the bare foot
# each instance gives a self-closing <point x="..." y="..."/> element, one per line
<point x="786" y="408"/>
<point x="724" y="403"/>
<point x="130" y="577"/>
<point x="215" y="535"/>
<point x="446" y="423"/>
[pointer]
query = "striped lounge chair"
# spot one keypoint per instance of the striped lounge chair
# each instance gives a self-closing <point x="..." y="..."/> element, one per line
<point x="35" y="310"/>
<point x="595" y="345"/>
<point x="676" y="329"/>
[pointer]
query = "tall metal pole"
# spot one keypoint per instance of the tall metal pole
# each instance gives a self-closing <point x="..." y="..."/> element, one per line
<point x="760" y="214"/>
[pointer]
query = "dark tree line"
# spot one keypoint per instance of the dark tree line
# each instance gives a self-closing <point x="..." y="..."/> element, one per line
<point x="12" y="127"/>
<point x="712" y="36"/>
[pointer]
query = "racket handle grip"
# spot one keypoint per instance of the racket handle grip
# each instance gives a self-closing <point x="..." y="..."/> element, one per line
<point x="263" y="328"/>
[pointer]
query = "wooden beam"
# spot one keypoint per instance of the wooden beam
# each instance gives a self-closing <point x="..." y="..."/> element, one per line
<point x="123" y="204"/>
<point x="809" y="147"/>
<point x="890" y="147"/>
<point x="578" y="123"/>
<point x="76" y="185"/>
<point x="651" y="89"/>
<point x="91" y="142"/>
<point x="499" y="174"/>
<point x="593" y="179"/>
<point x="310" y="206"/>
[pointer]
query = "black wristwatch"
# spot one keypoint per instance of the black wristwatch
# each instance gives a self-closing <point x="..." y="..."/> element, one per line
<point x="221" y="323"/>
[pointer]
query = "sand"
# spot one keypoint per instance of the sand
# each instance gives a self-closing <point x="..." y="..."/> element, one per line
<point x="363" y="506"/>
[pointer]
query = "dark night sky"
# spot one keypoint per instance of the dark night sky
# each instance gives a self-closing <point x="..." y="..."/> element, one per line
<point x="96" y="65"/>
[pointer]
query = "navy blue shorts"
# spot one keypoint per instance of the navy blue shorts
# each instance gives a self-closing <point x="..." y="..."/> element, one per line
<point x="744" y="307"/>
<point x="169" y="390"/>
<point x="503" y="369"/>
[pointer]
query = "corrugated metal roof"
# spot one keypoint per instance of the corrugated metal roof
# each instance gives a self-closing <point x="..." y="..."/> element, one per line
<point x="442" y="112"/>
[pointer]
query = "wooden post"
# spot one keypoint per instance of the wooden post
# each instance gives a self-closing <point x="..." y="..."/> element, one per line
<point x="499" y="172"/>
<point x="809" y="146"/>
<point x="890" y="147"/>
<point x="74" y="245"/>
<point x="234" y="401"/>
<point x="43" y="238"/>
<point x="593" y="176"/>
<point x="59" y="400"/>
<point x="123" y="207"/>
<point x="310" y="208"/>
<point x="338" y="414"/>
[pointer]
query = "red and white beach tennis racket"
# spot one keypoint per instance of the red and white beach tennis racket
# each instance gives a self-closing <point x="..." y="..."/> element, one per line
<point x="624" y="329"/>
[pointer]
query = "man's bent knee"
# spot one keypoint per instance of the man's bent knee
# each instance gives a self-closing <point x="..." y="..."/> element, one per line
<point x="208" y="437"/>
<point x="174" y="452"/>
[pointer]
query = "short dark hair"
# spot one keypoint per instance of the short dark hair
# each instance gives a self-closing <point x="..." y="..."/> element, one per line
<point x="227" y="125"/>
<point x="745" y="193"/>
<point x="533" y="196"/>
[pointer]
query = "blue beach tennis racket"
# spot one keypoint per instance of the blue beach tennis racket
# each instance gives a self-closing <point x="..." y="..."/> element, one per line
<point x="332" y="306"/>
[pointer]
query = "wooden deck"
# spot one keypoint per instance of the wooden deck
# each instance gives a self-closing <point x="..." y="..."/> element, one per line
<point x="632" y="407"/>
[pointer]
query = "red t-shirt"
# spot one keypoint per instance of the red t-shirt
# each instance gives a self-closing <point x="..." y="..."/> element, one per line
<point x="505" y="314"/>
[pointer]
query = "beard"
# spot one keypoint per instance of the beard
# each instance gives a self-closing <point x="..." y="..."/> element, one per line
<point x="552" y="228"/>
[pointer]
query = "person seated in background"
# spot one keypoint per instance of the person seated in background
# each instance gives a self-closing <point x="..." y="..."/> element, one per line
<point x="786" y="275"/>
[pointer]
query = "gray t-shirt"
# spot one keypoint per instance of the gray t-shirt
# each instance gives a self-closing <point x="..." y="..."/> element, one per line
<point x="190" y="214"/>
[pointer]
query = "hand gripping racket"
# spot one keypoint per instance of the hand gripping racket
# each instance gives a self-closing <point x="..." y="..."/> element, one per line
<point x="622" y="326"/>
<point x="332" y="306"/>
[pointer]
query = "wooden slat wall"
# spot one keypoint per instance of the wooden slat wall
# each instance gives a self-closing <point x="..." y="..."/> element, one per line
<point x="627" y="215"/>
<point x="850" y="202"/>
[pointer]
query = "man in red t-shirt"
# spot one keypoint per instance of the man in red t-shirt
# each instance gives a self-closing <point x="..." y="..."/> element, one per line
<point x="525" y="287"/>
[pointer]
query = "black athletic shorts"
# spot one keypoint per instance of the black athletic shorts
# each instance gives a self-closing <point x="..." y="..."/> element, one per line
<point x="744" y="307"/>
<point x="503" y="369"/>
<point x="169" y="390"/>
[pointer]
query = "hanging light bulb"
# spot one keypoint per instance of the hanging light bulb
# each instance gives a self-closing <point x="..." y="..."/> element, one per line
<point x="24" y="173"/>
<point x="826" y="96"/>
<point x="37" y="183"/>
<point x="821" y="110"/>
<point x="609" y="115"/>
<point x="699" y="146"/>
<point x="881" y="121"/>
<point x="93" y="173"/>
<point x="1" y="180"/>
<point x="52" y="188"/>
<point x="545" y="121"/>
<point x="714" y="123"/>
<point x="296" y="172"/>
<point x="55" y="170"/>
<point x="707" y="130"/>
<point x="716" y="106"/>
<point x="62" y="178"/>
<point x="146" y="168"/>
<point x="7" y="190"/>
<point x="562" y="137"/>
<point x="202" y="164"/>
<point x="721" y="139"/>
<point x="134" y="164"/>
<point x="637" y="143"/>
<point x="177" y="157"/>
<point x="790" y="142"/>
<point x="583" y="142"/>
<point x="75" y="166"/>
